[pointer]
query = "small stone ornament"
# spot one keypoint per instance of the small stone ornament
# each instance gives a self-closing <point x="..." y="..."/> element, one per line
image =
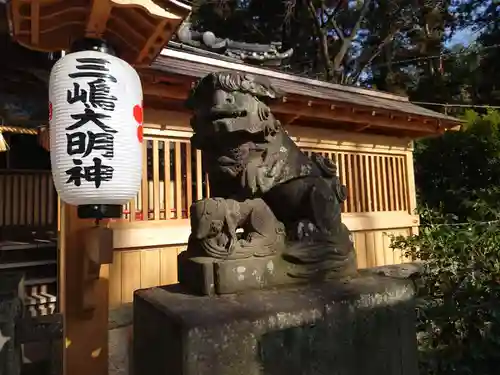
<point x="214" y="224"/>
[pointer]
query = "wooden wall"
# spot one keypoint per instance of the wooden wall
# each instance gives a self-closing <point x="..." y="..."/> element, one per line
<point x="373" y="247"/>
<point x="135" y="269"/>
<point x="377" y="170"/>
<point x="143" y="268"/>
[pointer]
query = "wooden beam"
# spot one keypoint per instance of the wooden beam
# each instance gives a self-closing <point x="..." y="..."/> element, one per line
<point x="412" y="190"/>
<point x="167" y="92"/>
<point x="99" y="15"/>
<point x="162" y="233"/>
<point x="362" y="127"/>
<point x="85" y="331"/>
<point x="287" y="119"/>
<point x="35" y="22"/>
<point x="158" y="37"/>
<point x="354" y="114"/>
<point x="344" y="115"/>
<point x="15" y="17"/>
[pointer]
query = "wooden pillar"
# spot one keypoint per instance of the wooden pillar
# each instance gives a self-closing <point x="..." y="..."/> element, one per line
<point x="83" y="300"/>
<point x="412" y="191"/>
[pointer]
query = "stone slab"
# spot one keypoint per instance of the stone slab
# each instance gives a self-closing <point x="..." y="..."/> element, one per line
<point x="120" y="339"/>
<point x="364" y="326"/>
<point x="119" y="350"/>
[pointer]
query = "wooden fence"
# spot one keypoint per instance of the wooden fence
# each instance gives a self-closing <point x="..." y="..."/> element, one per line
<point x="173" y="178"/>
<point x="28" y="201"/>
<point x="375" y="182"/>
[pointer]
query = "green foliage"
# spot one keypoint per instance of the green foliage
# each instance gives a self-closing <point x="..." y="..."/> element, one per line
<point x="458" y="177"/>
<point x="397" y="45"/>
<point x="348" y="42"/>
<point x="459" y="172"/>
<point x="459" y="311"/>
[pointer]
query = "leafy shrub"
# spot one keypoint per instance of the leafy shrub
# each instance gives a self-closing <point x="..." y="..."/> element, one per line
<point x="459" y="172"/>
<point x="459" y="308"/>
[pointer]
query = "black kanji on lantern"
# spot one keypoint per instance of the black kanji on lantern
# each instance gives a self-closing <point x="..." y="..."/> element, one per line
<point x="98" y="95"/>
<point x="96" y="173"/>
<point x="93" y="67"/>
<point x="77" y="95"/>
<point x="90" y="115"/>
<point x="84" y="143"/>
<point x="81" y="139"/>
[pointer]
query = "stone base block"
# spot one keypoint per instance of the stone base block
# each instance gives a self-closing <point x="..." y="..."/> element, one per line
<point x="364" y="326"/>
<point x="209" y="276"/>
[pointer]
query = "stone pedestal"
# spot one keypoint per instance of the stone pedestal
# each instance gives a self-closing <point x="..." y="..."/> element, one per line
<point x="209" y="276"/>
<point x="364" y="326"/>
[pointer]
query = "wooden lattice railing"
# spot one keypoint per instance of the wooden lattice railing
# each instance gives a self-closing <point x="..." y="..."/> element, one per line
<point x="375" y="182"/>
<point x="173" y="178"/>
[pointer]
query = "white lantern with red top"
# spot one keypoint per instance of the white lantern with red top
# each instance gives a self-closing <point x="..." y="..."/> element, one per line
<point x="96" y="115"/>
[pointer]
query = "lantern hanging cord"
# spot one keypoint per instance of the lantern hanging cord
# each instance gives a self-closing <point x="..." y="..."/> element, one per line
<point x="13" y="129"/>
<point x="17" y="130"/>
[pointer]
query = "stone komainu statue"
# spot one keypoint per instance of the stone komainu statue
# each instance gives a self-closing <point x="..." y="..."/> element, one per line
<point x="249" y="156"/>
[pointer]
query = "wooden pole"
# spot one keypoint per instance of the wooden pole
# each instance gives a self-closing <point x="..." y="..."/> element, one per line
<point x="83" y="300"/>
<point x="412" y="192"/>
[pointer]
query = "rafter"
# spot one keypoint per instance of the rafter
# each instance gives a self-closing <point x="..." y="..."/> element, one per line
<point x="52" y="25"/>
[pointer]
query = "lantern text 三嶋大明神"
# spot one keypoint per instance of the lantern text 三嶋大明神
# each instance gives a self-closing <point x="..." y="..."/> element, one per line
<point x="98" y="102"/>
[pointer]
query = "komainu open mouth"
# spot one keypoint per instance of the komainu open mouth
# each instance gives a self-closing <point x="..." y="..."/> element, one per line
<point x="221" y="114"/>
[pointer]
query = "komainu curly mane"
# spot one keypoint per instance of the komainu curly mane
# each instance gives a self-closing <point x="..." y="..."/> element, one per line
<point x="258" y="86"/>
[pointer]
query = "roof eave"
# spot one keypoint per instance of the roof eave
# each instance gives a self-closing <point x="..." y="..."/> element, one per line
<point x="305" y="90"/>
<point x="233" y="65"/>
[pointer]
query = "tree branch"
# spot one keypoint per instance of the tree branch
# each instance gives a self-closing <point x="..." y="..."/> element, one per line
<point x="331" y="18"/>
<point x="323" y="40"/>
<point x="346" y="43"/>
<point x="388" y="39"/>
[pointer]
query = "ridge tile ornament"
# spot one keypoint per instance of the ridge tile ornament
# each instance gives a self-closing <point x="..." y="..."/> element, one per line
<point x="252" y="53"/>
<point x="96" y="153"/>
<point x="275" y="214"/>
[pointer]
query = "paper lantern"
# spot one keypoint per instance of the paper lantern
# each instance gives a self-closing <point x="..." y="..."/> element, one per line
<point x="95" y="114"/>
